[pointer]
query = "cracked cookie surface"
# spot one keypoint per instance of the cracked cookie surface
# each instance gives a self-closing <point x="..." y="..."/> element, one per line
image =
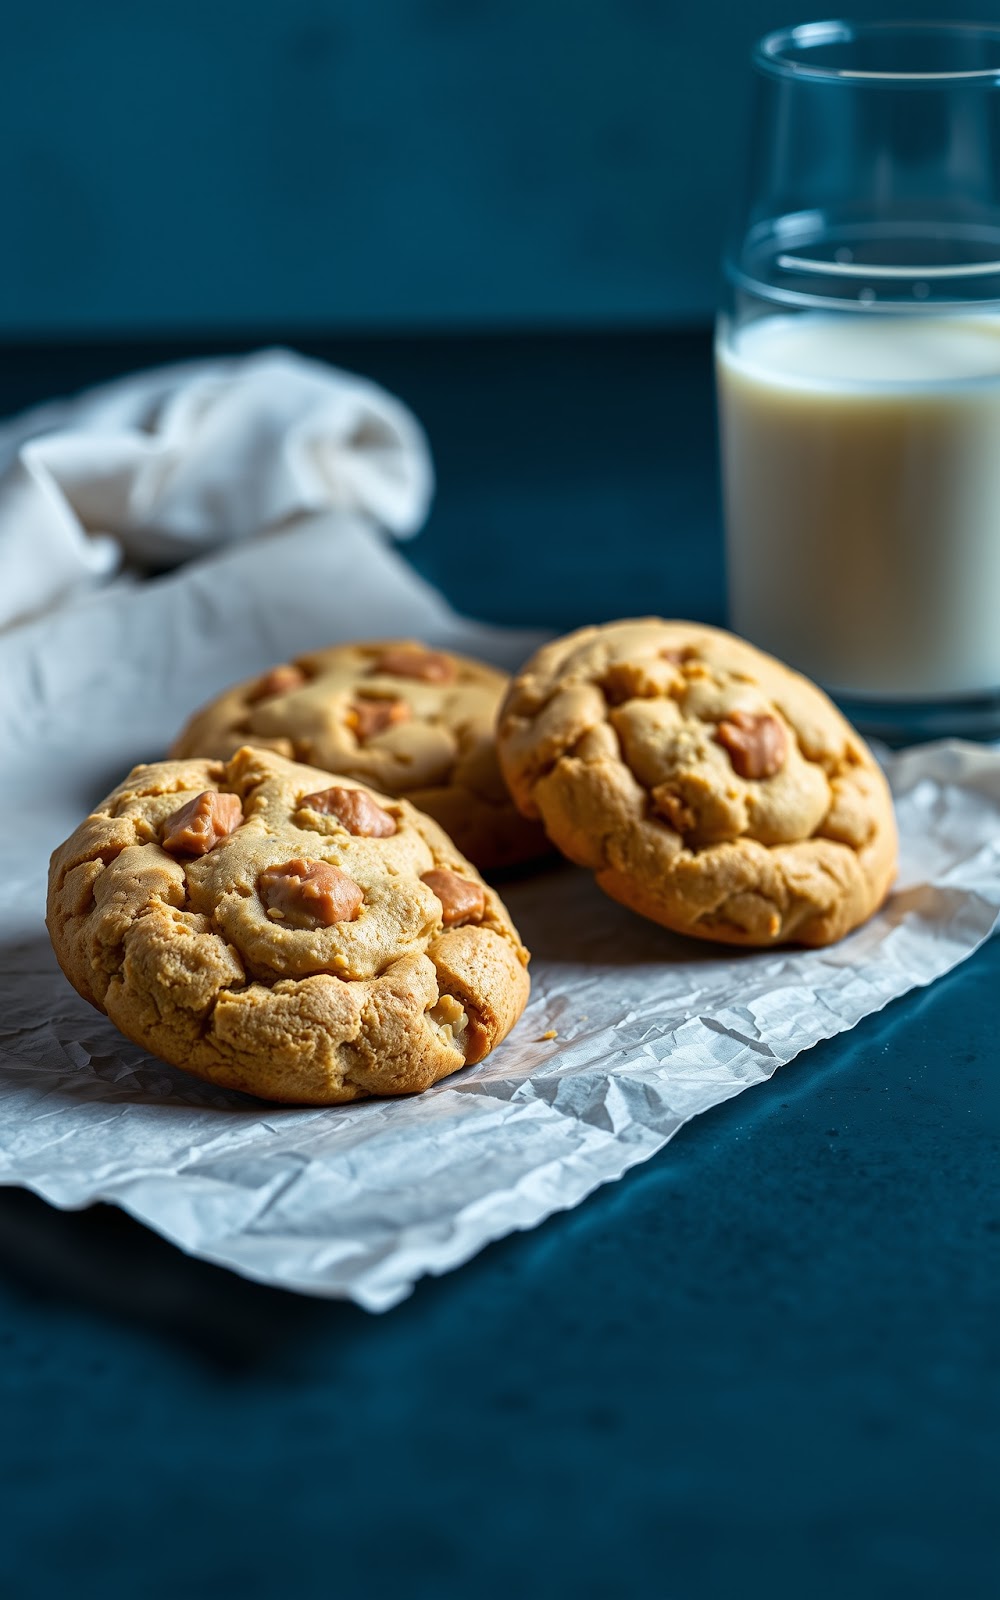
<point x="278" y="930"/>
<point x="706" y="785"/>
<point x="407" y="719"/>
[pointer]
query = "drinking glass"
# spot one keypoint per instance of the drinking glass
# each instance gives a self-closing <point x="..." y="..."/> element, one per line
<point x="858" y="371"/>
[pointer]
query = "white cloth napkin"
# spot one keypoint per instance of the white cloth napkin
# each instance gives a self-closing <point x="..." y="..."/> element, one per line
<point x="159" y="466"/>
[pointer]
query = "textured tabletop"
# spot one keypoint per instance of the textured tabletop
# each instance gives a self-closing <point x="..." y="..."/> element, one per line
<point x="764" y="1363"/>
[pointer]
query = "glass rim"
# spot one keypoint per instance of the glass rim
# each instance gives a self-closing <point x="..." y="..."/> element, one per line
<point x="773" y="53"/>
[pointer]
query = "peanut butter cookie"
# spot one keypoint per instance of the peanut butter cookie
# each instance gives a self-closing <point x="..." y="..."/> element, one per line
<point x="410" y="720"/>
<point x="706" y="785"/>
<point x="275" y="929"/>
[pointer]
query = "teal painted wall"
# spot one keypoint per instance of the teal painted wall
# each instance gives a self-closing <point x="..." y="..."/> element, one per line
<point x="368" y="164"/>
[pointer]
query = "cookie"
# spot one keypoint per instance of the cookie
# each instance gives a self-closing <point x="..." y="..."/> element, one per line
<point x="706" y="785"/>
<point x="279" y="930"/>
<point x="409" y="720"/>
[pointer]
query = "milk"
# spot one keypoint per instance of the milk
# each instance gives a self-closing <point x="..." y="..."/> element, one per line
<point x="861" y="463"/>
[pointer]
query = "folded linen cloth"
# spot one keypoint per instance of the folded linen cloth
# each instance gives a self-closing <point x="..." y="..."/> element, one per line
<point x="162" y="465"/>
<point x="311" y="462"/>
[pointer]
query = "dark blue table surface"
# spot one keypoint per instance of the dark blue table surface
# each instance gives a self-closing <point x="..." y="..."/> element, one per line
<point x="765" y="1363"/>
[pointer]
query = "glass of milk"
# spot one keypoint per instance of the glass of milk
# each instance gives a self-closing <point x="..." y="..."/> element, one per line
<point x="858" y="366"/>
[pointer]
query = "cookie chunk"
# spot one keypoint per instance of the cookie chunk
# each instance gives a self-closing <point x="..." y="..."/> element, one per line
<point x="275" y="929"/>
<point x="407" y="719"/>
<point x="706" y="785"/>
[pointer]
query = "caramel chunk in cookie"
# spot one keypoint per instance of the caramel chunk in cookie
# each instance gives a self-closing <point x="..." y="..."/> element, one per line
<point x="280" y="680"/>
<point x="368" y="718"/>
<point x="356" y="809"/>
<point x="197" y="827"/>
<point x="461" y="900"/>
<point x="756" y="742"/>
<point x="674" y="809"/>
<point x="413" y="661"/>
<point x="310" y="894"/>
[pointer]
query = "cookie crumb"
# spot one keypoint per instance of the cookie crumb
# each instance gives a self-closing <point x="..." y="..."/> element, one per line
<point x="549" y="1034"/>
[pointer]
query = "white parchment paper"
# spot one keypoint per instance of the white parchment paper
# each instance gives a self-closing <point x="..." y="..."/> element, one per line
<point x="361" y="1201"/>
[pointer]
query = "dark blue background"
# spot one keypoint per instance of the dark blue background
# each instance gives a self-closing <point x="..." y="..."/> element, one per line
<point x="372" y="164"/>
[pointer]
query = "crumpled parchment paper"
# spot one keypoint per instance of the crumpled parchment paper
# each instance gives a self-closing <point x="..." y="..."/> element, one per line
<point x="361" y="1201"/>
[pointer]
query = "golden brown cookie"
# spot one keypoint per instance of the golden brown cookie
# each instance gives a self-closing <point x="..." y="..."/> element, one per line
<point x="411" y="720"/>
<point x="276" y="929"/>
<point x="707" y="786"/>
